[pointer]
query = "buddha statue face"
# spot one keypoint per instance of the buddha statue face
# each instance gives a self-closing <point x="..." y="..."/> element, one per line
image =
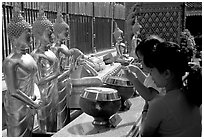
<point x="48" y="35"/>
<point x="136" y="27"/>
<point x="61" y="28"/>
<point x="43" y="29"/>
<point x="118" y="33"/>
<point x="19" y="31"/>
<point x="64" y="35"/>
<point x="25" y="39"/>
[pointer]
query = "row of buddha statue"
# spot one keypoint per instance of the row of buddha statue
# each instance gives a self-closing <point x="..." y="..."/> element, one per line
<point x="38" y="83"/>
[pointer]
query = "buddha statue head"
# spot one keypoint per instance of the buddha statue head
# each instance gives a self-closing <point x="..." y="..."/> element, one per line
<point x="43" y="28"/>
<point x="61" y="28"/>
<point x="19" y="31"/>
<point x="117" y="33"/>
<point x="136" y="27"/>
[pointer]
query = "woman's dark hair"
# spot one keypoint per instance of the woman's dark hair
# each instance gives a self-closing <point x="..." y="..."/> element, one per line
<point x="145" y="46"/>
<point x="169" y="55"/>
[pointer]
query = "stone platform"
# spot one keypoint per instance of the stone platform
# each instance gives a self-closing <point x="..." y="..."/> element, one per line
<point x="82" y="126"/>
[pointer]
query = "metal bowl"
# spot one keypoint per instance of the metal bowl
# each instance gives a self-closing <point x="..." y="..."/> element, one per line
<point x="101" y="103"/>
<point x="118" y="81"/>
<point x="124" y="87"/>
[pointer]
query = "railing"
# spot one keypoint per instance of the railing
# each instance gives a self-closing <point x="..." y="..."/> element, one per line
<point x="90" y="22"/>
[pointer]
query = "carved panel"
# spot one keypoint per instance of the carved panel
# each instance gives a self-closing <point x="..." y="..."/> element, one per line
<point x="162" y="19"/>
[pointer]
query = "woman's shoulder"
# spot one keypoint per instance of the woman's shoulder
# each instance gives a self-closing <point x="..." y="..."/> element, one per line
<point x="157" y="101"/>
<point x="157" y="107"/>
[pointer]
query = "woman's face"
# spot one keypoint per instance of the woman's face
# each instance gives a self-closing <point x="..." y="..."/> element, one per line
<point x="158" y="78"/>
<point x="141" y="59"/>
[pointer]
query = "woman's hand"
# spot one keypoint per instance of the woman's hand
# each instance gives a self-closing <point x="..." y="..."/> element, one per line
<point x="138" y="72"/>
<point x="128" y="74"/>
<point x="134" y="68"/>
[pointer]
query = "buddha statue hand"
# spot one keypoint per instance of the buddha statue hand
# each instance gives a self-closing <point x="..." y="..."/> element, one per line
<point x="71" y="64"/>
<point x="36" y="106"/>
<point x="40" y="57"/>
<point x="79" y="60"/>
<point x="37" y="102"/>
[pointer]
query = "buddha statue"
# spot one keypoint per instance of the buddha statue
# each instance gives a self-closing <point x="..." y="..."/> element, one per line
<point x="23" y="96"/>
<point x="118" y="35"/>
<point x="121" y="48"/>
<point x="48" y="72"/>
<point x="135" y="40"/>
<point x="69" y="58"/>
<point x="61" y="31"/>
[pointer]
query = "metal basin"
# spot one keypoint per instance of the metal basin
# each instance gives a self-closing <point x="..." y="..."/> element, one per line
<point x="123" y="86"/>
<point x="101" y="103"/>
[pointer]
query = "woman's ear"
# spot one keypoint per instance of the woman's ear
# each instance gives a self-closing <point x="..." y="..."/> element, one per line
<point x="167" y="74"/>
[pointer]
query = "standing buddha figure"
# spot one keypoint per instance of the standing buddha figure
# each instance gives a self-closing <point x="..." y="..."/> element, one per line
<point x="69" y="57"/>
<point x="118" y="37"/>
<point x="48" y="71"/>
<point x="135" y="40"/>
<point x="61" y="31"/>
<point x="22" y="96"/>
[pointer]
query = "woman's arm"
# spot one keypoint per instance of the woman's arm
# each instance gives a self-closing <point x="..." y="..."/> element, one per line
<point x="140" y="74"/>
<point x="147" y="93"/>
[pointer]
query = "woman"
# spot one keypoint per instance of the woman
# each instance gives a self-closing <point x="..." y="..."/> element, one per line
<point x="142" y="80"/>
<point x="19" y="68"/>
<point x="177" y="113"/>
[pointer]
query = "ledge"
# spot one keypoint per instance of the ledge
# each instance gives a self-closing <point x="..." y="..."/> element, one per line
<point x="82" y="125"/>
